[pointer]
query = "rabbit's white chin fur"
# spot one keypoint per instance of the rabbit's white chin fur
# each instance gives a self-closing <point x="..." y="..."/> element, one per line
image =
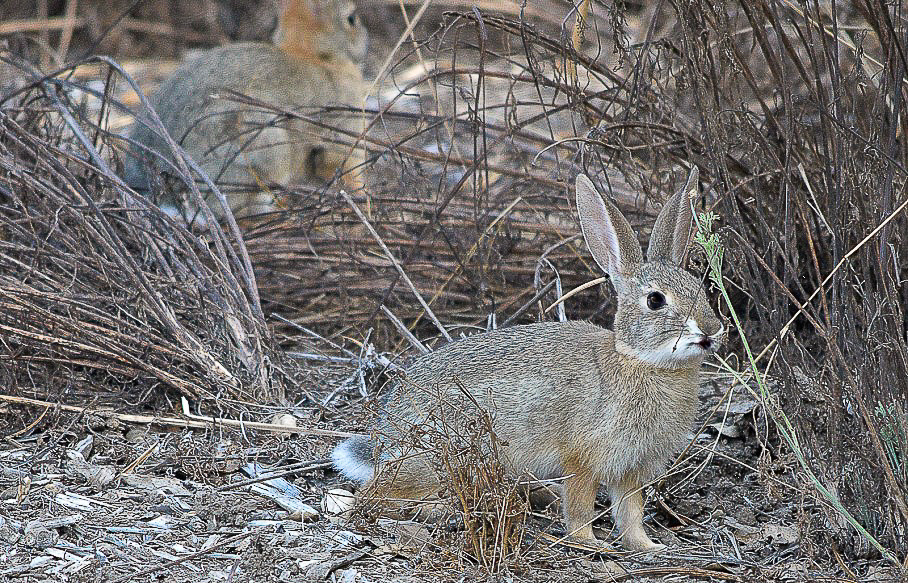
<point x="675" y="353"/>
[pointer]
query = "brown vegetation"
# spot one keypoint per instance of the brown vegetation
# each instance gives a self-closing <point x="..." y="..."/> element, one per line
<point x="794" y="114"/>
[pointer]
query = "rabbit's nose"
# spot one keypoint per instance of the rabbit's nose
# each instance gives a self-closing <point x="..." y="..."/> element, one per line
<point x="714" y="328"/>
<point x="705" y="342"/>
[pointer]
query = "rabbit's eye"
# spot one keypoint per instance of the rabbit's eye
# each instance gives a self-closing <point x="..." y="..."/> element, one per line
<point x="351" y="19"/>
<point x="655" y="300"/>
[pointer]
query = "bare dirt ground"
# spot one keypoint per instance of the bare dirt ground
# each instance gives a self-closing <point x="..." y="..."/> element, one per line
<point x="104" y="499"/>
<point x="101" y="497"/>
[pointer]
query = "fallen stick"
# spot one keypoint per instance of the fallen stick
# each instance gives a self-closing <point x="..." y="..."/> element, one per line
<point x="227" y="541"/>
<point x="199" y="422"/>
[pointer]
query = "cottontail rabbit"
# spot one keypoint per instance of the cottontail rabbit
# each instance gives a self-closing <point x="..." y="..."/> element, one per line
<point x="570" y="398"/>
<point x="315" y="61"/>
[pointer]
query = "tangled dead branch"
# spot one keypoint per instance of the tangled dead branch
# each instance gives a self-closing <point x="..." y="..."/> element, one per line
<point x="102" y="291"/>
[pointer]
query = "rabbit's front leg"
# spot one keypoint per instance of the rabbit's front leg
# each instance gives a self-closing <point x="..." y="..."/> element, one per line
<point x="627" y="510"/>
<point x="354" y="164"/>
<point x="579" y="501"/>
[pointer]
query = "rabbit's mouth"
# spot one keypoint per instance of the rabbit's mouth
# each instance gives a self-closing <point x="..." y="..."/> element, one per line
<point x="693" y="347"/>
<point x="706" y="343"/>
<point x="688" y="350"/>
<point x="700" y="341"/>
<point x="701" y="344"/>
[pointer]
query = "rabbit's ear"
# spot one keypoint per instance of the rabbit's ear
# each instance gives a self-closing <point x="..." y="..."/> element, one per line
<point x="608" y="235"/>
<point x="296" y="23"/>
<point x="673" y="228"/>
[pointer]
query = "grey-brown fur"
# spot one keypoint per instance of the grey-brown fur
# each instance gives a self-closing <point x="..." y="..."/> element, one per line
<point x="314" y="63"/>
<point x="571" y="398"/>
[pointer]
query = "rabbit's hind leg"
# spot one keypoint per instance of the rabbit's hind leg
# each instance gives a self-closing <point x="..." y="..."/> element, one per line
<point x="579" y="500"/>
<point x="328" y="159"/>
<point x="263" y="160"/>
<point x="406" y="488"/>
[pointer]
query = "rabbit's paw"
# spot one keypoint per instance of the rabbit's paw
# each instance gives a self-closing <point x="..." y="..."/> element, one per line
<point x="638" y="541"/>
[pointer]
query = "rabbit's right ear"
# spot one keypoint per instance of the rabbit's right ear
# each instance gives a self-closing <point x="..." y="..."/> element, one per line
<point x="608" y="235"/>
<point x="674" y="226"/>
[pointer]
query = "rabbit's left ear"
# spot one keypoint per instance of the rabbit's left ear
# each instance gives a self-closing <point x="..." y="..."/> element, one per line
<point x="608" y="235"/>
<point x="674" y="226"/>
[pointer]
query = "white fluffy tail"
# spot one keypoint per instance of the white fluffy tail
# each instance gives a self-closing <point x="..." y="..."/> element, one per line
<point x="353" y="458"/>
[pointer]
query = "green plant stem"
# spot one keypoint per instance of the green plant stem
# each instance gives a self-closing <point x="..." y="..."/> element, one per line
<point x="714" y="252"/>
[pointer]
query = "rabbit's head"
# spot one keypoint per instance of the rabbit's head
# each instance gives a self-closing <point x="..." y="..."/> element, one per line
<point x="326" y="30"/>
<point x="663" y="317"/>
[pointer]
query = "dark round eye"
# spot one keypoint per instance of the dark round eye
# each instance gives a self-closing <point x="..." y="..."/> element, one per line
<point x="351" y="19"/>
<point x="655" y="300"/>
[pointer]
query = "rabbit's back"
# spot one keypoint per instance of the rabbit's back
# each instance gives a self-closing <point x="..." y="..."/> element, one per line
<point x="241" y="143"/>
<point x="194" y="103"/>
<point x="556" y="391"/>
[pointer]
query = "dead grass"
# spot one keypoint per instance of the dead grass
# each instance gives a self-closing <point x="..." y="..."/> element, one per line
<point x="457" y="439"/>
